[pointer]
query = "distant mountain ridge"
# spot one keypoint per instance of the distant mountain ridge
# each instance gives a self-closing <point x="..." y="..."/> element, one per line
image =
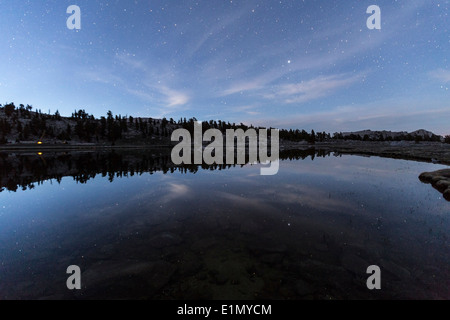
<point x="421" y="135"/>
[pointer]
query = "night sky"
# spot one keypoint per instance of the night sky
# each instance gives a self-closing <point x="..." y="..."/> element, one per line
<point x="289" y="64"/>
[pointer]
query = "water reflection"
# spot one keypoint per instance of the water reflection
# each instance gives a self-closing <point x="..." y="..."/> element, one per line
<point x="226" y="232"/>
<point x="25" y="170"/>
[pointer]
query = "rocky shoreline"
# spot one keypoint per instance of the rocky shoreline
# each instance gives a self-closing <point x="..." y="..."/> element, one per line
<point x="440" y="180"/>
<point x="434" y="152"/>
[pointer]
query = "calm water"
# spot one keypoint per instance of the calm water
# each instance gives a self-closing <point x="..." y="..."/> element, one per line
<point x="140" y="228"/>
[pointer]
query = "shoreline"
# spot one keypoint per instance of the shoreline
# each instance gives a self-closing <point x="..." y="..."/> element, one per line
<point x="433" y="152"/>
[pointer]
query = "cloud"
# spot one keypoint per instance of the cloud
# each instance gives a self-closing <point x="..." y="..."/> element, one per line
<point x="300" y="92"/>
<point x="312" y="89"/>
<point x="101" y="76"/>
<point x="173" y="97"/>
<point x="242" y="87"/>
<point x="249" y="109"/>
<point x="146" y="96"/>
<point x="167" y="96"/>
<point x="311" y="197"/>
<point x="169" y="100"/>
<point x="313" y="57"/>
<point x="175" y="191"/>
<point x="441" y="75"/>
<point x="217" y="26"/>
<point x="208" y="71"/>
<point x="391" y="114"/>
<point x="130" y="60"/>
<point x="154" y="85"/>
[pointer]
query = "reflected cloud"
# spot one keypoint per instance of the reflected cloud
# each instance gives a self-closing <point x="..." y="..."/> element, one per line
<point x="266" y="199"/>
<point x="311" y="197"/>
<point x="241" y="200"/>
<point x="175" y="191"/>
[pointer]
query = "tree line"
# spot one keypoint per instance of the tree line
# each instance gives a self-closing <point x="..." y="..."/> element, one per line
<point x="26" y="124"/>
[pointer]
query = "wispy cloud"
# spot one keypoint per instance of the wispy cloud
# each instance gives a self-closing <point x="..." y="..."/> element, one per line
<point x="175" y="191"/>
<point x="299" y="92"/>
<point x="312" y="89"/>
<point x="130" y="60"/>
<point x="163" y="100"/>
<point x="100" y="75"/>
<point x="441" y="75"/>
<point x="163" y="96"/>
<point x="220" y="25"/>
<point x="143" y="95"/>
<point x="312" y="57"/>
<point x="174" y="97"/>
<point x="222" y="59"/>
<point x="242" y="87"/>
<point x="391" y="114"/>
<point x="157" y="86"/>
<point x="153" y="85"/>
<point x="249" y="109"/>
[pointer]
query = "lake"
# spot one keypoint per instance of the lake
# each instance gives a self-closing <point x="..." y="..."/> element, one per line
<point x="141" y="228"/>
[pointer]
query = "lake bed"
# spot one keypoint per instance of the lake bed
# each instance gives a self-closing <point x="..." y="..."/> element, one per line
<point x="309" y="232"/>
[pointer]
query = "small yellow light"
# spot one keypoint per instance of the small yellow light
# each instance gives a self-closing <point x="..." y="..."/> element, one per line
<point x="40" y="142"/>
<point x="40" y="153"/>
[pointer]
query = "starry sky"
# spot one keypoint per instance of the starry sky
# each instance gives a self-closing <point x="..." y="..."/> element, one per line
<point x="310" y="64"/>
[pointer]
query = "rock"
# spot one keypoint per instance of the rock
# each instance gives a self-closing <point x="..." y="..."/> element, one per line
<point x="354" y="264"/>
<point x="440" y="180"/>
<point x="267" y="247"/>
<point x="443" y="185"/>
<point x="436" y="179"/>
<point x="302" y="288"/>
<point x="447" y="194"/>
<point x="202" y="276"/>
<point x="396" y="270"/>
<point x="125" y="279"/>
<point x="252" y="228"/>
<point x="165" y="240"/>
<point x="221" y="278"/>
<point x="272" y="258"/>
<point x="426" y="177"/>
<point x="321" y="247"/>
<point x="203" y="245"/>
<point x="161" y="273"/>
<point x="190" y="267"/>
